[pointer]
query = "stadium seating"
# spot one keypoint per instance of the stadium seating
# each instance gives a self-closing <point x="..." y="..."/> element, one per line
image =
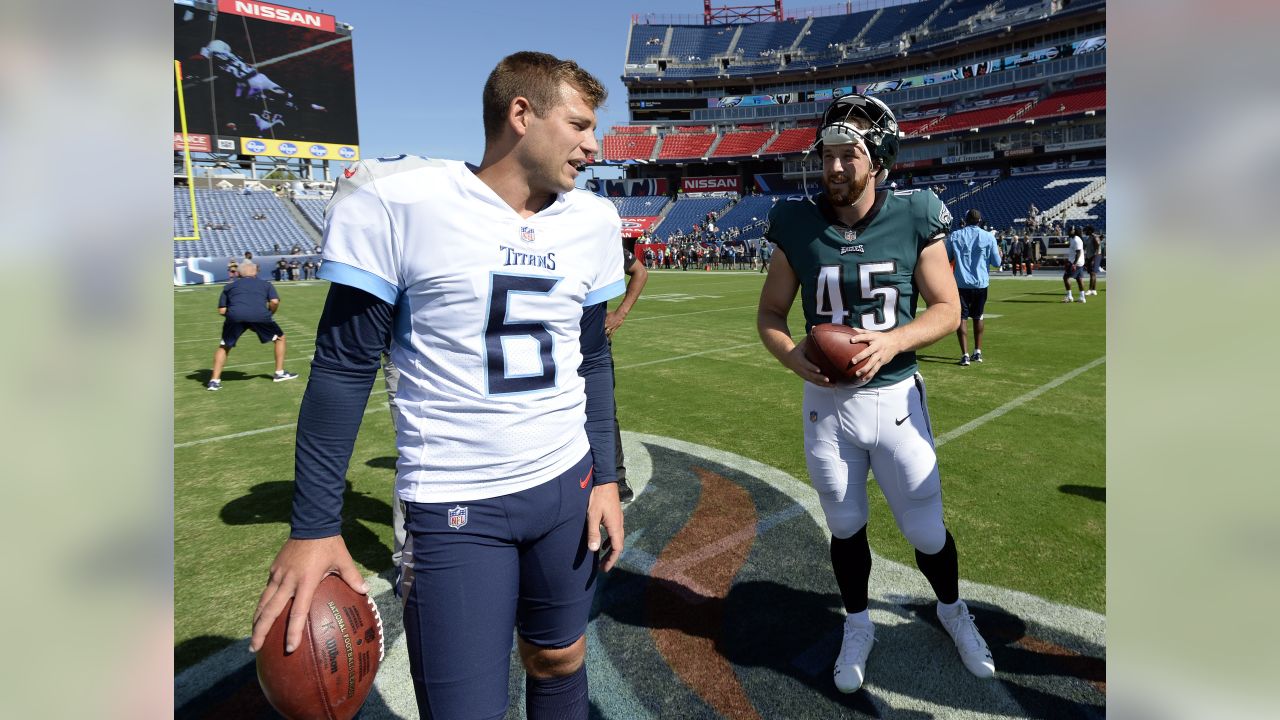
<point x="235" y="230"/>
<point x="686" y="146"/>
<point x="1069" y="102"/>
<point x="1005" y="203"/>
<point x="791" y="140"/>
<point x="974" y="119"/>
<point x="916" y="127"/>
<point x="740" y="144"/>
<point x="313" y="209"/>
<point x="629" y="147"/>
<point x="748" y="213"/>
<point x="643" y="48"/>
<point x="895" y="21"/>
<point x="833" y="29"/>
<point x="1097" y="216"/>
<point x="687" y="211"/>
<point x="766" y="37"/>
<point x="640" y="206"/>
<point x="695" y="43"/>
<point x="629" y="129"/>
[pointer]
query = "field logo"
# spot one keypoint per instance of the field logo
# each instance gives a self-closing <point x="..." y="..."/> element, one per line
<point x="723" y="604"/>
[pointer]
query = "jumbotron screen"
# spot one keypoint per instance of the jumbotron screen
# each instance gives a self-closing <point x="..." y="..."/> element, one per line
<point x="264" y="79"/>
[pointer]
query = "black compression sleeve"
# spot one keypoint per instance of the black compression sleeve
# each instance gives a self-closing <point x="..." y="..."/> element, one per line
<point x="597" y="372"/>
<point x="351" y="336"/>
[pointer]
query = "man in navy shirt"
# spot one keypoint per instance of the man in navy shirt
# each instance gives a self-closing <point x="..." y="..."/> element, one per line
<point x="248" y="304"/>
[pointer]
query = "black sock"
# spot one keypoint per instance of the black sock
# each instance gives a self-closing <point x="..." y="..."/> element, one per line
<point x="942" y="570"/>
<point x="851" y="560"/>
<point x="557" y="698"/>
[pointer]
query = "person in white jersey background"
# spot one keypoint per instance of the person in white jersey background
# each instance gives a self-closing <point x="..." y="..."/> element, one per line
<point x="492" y="283"/>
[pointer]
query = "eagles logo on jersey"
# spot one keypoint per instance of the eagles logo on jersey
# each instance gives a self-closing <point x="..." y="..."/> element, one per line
<point x="873" y="289"/>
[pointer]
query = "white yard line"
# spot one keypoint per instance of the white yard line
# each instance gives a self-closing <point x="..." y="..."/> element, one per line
<point x="686" y="357"/>
<point x="259" y="431"/>
<point x="1015" y="403"/>
<point x="695" y="312"/>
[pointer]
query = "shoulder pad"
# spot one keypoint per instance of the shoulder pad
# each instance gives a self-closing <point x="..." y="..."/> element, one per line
<point x="364" y="172"/>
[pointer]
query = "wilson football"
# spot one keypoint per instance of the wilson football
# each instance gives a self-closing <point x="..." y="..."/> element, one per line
<point x="829" y="348"/>
<point x="330" y="674"/>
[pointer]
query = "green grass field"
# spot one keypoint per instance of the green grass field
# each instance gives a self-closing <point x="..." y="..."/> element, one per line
<point x="1025" y="488"/>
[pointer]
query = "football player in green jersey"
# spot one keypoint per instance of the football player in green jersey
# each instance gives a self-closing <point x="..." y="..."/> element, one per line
<point x="861" y="257"/>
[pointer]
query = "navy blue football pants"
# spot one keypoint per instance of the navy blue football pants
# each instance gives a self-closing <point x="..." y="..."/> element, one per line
<point x="518" y="561"/>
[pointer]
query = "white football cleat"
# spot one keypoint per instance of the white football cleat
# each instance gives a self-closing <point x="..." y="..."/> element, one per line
<point x="851" y="665"/>
<point x="974" y="652"/>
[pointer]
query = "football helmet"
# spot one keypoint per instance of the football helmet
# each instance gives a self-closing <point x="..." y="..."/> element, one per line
<point x="880" y="139"/>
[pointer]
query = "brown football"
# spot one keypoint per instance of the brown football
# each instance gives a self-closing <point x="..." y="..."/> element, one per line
<point x="829" y="348"/>
<point x="330" y="674"/>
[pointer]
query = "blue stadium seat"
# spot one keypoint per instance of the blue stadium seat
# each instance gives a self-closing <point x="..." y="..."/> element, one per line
<point x="687" y="211"/>
<point x="641" y="206"/>
<point x="235" y="210"/>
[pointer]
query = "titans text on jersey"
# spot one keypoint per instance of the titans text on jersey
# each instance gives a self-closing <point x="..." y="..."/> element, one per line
<point x="488" y="304"/>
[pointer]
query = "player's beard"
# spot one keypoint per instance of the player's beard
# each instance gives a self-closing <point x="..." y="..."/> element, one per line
<point x="848" y="193"/>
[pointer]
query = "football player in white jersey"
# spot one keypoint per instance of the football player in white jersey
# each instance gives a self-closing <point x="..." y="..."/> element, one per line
<point x="491" y="282"/>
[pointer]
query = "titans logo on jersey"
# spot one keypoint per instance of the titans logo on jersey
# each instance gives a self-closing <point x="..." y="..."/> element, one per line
<point x="488" y="306"/>
<point x="867" y="281"/>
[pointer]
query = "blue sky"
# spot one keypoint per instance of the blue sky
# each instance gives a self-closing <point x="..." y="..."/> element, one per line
<point x="420" y="66"/>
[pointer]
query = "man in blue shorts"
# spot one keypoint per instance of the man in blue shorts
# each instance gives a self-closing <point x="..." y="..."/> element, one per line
<point x="492" y="283"/>
<point x="248" y="304"/>
<point x="972" y="252"/>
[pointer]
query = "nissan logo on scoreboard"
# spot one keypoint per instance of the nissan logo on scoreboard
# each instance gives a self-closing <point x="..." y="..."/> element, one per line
<point x="711" y="184"/>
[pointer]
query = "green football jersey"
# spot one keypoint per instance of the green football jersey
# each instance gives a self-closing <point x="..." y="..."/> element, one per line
<point x="862" y="276"/>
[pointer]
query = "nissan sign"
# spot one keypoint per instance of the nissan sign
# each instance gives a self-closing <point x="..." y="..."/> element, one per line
<point x="711" y="184"/>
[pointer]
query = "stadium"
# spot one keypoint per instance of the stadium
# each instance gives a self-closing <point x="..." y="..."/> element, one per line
<point x="1001" y="107"/>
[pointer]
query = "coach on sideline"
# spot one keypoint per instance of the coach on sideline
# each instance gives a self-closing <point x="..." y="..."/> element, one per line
<point x="971" y="251"/>
<point x="248" y="304"/>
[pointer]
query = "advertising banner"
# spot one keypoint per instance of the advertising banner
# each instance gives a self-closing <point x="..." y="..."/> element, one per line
<point x="196" y="142"/>
<point x="968" y="157"/>
<point x="634" y="227"/>
<point x="629" y="188"/>
<point x="711" y="184"/>
<point x="278" y="13"/>
<point x="288" y="148"/>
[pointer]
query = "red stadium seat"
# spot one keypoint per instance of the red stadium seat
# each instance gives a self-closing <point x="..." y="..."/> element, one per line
<point x="682" y="146"/>
<point x="1069" y="102"/>
<point x="629" y="147"/>
<point x="791" y="140"/>
<point x="740" y="144"/>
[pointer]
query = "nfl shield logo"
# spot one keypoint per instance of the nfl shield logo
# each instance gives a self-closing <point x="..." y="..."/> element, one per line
<point x="526" y="234"/>
<point x="457" y="517"/>
<point x="850" y="235"/>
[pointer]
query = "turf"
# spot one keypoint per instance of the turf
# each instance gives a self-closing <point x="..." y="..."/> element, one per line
<point x="1025" y="491"/>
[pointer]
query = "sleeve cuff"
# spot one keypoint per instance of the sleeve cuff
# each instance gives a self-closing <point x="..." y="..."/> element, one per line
<point x="607" y="292"/>
<point x="352" y="276"/>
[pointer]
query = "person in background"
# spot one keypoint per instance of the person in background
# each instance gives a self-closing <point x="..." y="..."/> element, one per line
<point x="972" y="252"/>
<point x="248" y="303"/>
<point x="637" y="276"/>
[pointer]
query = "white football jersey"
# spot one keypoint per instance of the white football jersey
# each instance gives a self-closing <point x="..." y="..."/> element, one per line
<point x="488" y="308"/>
